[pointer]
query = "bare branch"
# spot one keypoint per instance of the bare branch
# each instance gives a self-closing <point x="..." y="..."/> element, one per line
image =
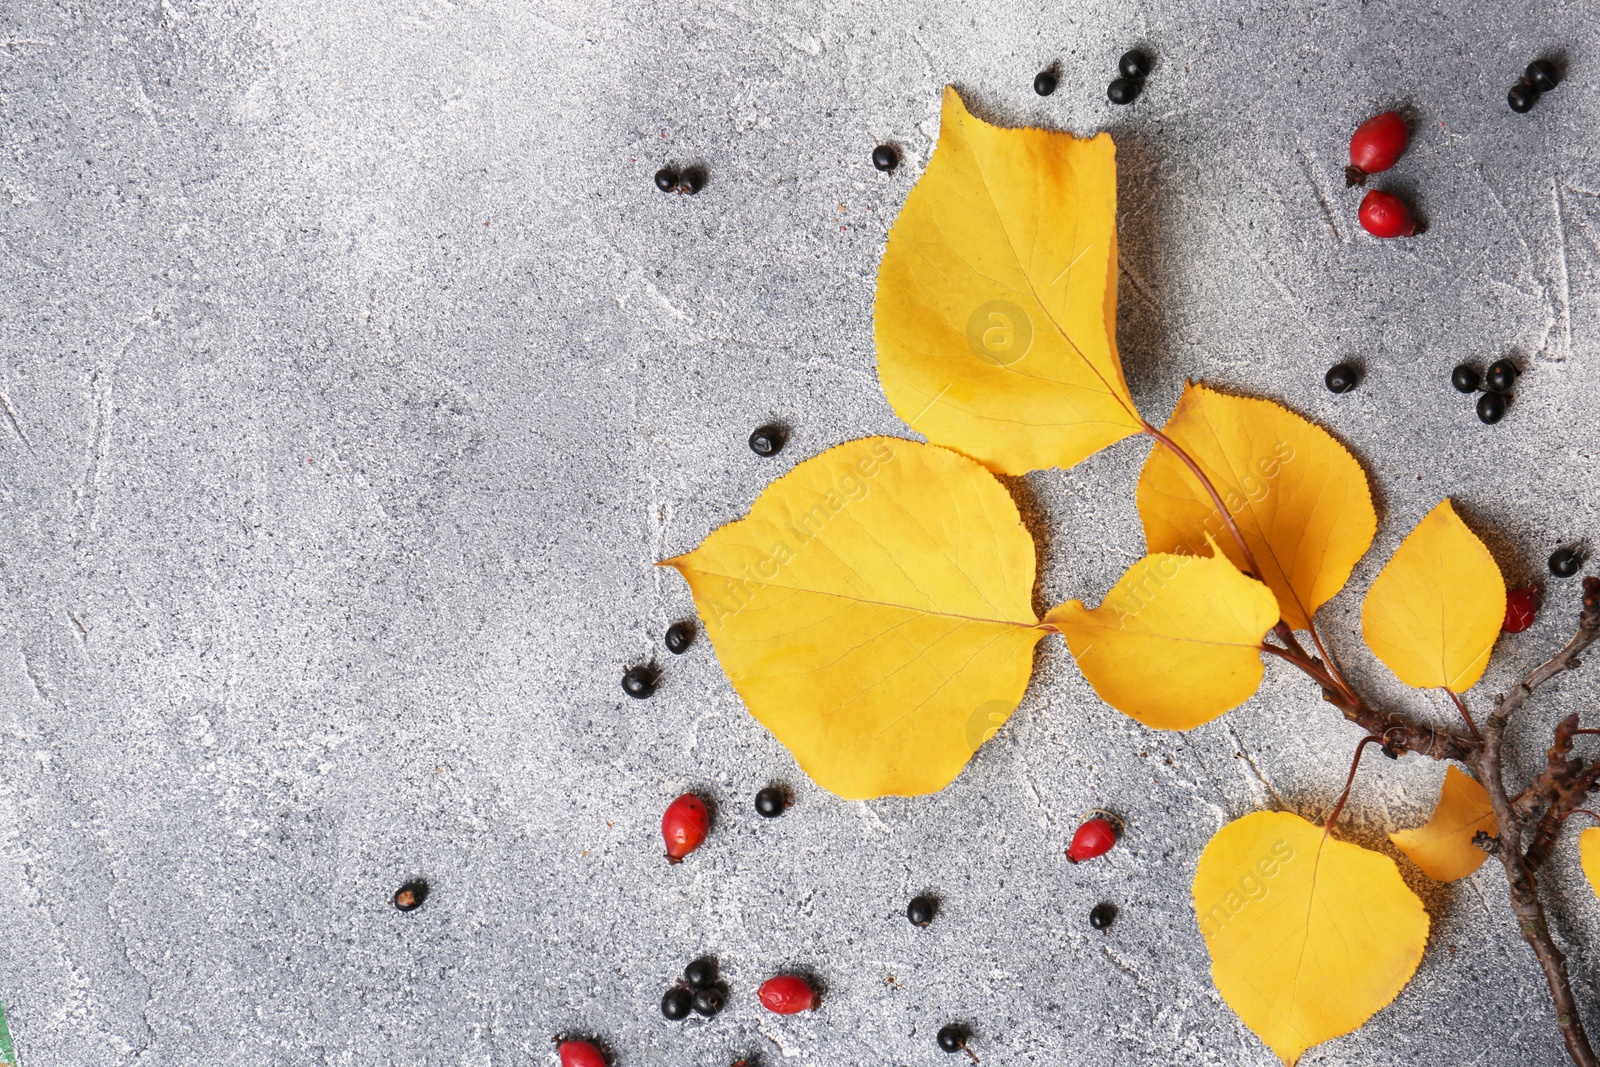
<point x="1550" y="790"/>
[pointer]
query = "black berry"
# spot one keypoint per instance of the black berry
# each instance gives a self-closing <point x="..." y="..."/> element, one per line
<point x="1341" y="378"/>
<point x="885" y="158"/>
<point x="676" y="1002"/>
<point x="680" y="635"/>
<point x="708" y="1001"/>
<point x="1543" y="75"/>
<point x="691" y="181"/>
<point x="1465" y="379"/>
<point x="1102" y="915"/>
<point x="920" y="911"/>
<point x="1564" y="562"/>
<point x="1492" y="407"/>
<point x="1134" y="64"/>
<point x="1122" y="91"/>
<point x="1501" y="376"/>
<point x="953" y="1039"/>
<point x="701" y="974"/>
<point x="1044" y="82"/>
<point x="410" y="896"/>
<point x="639" y="682"/>
<point x="666" y="179"/>
<point x="771" y="802"/>
<point x="1522" y="97"/>
<point x="768" y="440"/>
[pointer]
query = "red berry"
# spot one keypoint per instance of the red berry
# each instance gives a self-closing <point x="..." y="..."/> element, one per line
<point x="1375" y="146"/>
<point x="580" y="1054"/>
<point x="1095" y="836"/>
<point x="1383" y="215"/>
<point x="1522" y="605"/>
<point x="684" y="826"/>
<point x="787" y="994"/>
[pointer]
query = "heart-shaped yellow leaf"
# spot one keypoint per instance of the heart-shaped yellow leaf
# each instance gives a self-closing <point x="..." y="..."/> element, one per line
<point x="997" y="297"/>
<point x="874" y="611"/>
<point x="1443" y="846"/>
<point x="1309" y="936"/>
<point x="1177" y="640"/>
<point x="1589" y="856"/>
<point x="1297" y="495"/>
<point x="1434" y="612"/>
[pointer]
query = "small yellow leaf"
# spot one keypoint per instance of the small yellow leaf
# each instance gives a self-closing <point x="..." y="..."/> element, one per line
<point x="1309" y="936"/>
<point x="1443" y="847"/>
<point x="1298" y="496"/>
<point x="1434" y="612"/>
<point x="1176" y="642"/>
<point x="875" y="613"/>
<point x="1589" y="856"/>
<point x="997" y="297"/>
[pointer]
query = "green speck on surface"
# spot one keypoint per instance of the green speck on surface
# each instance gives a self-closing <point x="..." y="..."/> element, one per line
<point x="8" y="1055"/>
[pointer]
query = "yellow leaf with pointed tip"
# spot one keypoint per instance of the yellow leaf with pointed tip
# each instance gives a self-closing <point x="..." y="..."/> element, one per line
<point x="1589" y="856"/>
<point x="1443" y="846"/>
<point x="1176" y="642"/>
<point x="997" y="297"/>
<point x="875" y="613"/>
<point x="1309" y="936"/>
<point x="1434" y="612"/>
<point x="1297" y="495"/>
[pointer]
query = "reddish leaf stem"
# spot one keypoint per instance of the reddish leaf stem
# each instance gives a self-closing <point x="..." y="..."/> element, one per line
<point x="1465" y="714"/>
<point x="1216" y="498"/>
<point x="1327" y="824"/>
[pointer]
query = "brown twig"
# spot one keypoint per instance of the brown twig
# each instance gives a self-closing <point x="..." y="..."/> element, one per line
<point x="1519" y="864"/>
<point x="1399" y="735"/>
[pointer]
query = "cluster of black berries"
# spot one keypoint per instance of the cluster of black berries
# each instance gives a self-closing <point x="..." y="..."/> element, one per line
<point x="687" y="181"/>
<point x="1134" y="67"/>
<point x="641" y="681"/>
<point x="1540" y="77"/>
<point x="699" y="991"/>
<point x="1497" y="382"/>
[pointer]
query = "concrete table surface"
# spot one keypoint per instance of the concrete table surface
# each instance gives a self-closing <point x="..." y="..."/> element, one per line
<point x="354" y="375"/>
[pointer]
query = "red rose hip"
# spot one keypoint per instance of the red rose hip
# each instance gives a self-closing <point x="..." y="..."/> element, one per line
<point x="1383" y="215"/>
<point x="684" y="826"/>
<point x="1375" y="146"/>
<point x="1522" y="607"/>
<point x="580" y="1054"/>
<point x="787" y="994"/>
<point x="1095" y="836"/>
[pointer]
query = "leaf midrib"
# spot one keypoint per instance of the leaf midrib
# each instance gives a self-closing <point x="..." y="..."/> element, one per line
<point x="1035" y="625"/>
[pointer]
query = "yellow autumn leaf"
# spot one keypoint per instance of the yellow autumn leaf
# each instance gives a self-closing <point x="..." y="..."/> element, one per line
<point x="1309" y="936"/>
<point x="875" y="613"/>
<point x="1589" y="856"/>
<point x="1433" y="613"/>
<point x="1297" y="495"/>
<point x="1176" y="642"/>
<point x="1443" y="846"/>
<point x="997" y="297"/>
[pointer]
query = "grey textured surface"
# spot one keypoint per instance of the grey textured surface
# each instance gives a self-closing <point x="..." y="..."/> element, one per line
<point x="354" y="374"/>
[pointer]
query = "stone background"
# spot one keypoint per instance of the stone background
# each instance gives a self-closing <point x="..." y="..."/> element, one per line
<point x="354" y="374"/>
